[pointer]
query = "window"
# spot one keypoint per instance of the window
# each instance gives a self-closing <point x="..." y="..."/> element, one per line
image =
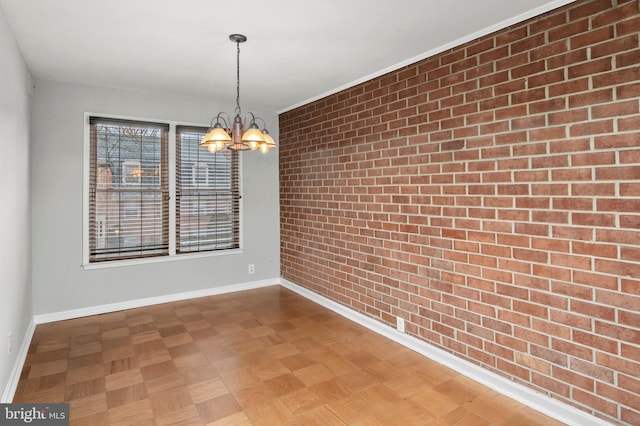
<point x="131" y="172"/>
<point x="128" y="193"/>
<point x="200" y="174"/>
<point x="132" y="190"/>
<point x="207" y="195"/>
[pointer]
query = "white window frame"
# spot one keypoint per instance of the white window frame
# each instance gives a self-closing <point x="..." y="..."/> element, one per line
<point x="172" y="256"/>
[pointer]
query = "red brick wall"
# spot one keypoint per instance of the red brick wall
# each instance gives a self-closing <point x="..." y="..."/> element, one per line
<point x="489" y="195"/>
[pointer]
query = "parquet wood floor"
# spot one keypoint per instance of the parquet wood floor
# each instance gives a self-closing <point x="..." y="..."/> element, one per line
<point x="259" y="357"/>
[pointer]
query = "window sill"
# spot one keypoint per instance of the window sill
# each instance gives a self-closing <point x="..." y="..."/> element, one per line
<point x="159" y="259"/>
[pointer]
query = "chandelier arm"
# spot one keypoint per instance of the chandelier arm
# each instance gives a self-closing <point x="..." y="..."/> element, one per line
<point x="226" y="121"/>
<point x="252" y="121"/>
<point x="263" y="122"/>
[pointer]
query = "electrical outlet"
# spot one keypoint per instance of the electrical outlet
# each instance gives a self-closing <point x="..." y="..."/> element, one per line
<point x="9" y="343"/>
<point x="400" y="324"/>
<point x="252" y="268"/>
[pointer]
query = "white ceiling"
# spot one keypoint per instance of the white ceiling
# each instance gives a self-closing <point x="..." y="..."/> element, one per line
<point x="296" y="50"/>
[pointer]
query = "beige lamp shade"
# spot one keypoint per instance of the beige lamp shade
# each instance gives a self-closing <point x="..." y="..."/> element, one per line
<point x="253" y="137"/>
<point x="268" y="142"/>
<point x="268" y="139"/>
<point x="217" y="134"/>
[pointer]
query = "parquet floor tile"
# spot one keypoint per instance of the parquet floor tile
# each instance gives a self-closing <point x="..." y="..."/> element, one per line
<point x="259" y="357"/>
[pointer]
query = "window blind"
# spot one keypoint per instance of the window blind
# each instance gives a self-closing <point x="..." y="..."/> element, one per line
<point x="207" y="195"/>
<point x="128" y="189"/>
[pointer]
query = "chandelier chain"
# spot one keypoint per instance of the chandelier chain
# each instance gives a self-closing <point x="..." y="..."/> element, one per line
<point x="238" y="110"/>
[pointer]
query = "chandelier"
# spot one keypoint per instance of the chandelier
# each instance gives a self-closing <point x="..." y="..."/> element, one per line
<point x="232" y="135"/>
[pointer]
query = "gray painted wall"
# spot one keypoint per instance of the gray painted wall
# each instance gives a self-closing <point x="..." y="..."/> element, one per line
<point x="59" y="281"/>
<point x="15" y="250"/>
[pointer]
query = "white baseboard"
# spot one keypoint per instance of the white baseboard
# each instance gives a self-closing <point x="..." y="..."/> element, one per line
<point x="14" y="377"/>
<point x="130" y="304"/>
<point x="536" y="400"/>
<point x="540" y="402"/>
<point x="16" y="371"/>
